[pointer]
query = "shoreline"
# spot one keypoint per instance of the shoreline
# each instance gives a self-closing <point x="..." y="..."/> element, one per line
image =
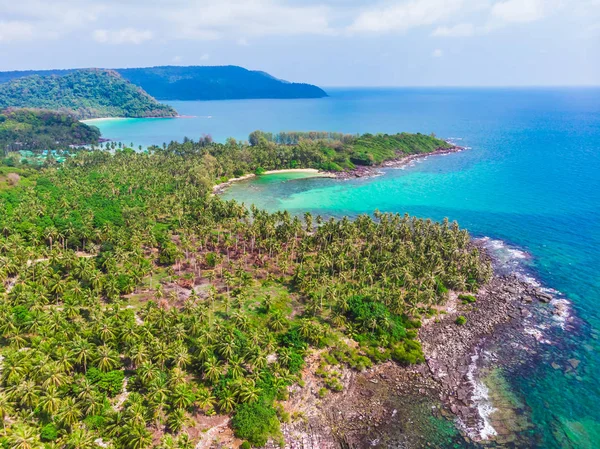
<point x="368" y="171"/>
<point x="447" y="385"/>
<point x="358" y="172"/>
<point x="220" y="188"/>
<point x="101" y="119"/>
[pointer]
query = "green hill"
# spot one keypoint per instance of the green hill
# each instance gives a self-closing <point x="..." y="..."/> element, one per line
<point x="27" y="129"/>
<point x="200" y="83"/>
<point x="86" y="93"/>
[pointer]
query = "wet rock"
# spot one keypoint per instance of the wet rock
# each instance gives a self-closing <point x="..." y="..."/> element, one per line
<point x="555" y="365"/>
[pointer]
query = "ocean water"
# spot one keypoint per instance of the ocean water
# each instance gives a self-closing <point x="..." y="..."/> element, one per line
<point x="529" y="180"/>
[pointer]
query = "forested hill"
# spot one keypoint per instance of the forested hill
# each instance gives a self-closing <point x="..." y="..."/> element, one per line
<point x="201" y="83"/>
<point x="43" y="130"/>
<point x="216" y="83"/>
<point x="86" y="93"/>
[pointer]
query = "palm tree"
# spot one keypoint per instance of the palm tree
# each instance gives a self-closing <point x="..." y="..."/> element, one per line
<point x="177" y="420"/>
<point x="136" y="437"/>
<point x="227" y="401"/>
<point x="22" y="436"/>
<point x="107" y="359"/>
<point x="6" y="408"/>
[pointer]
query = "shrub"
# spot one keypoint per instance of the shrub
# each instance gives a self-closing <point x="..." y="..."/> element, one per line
<point x="408" y="352"/>
<point x="211" y="259"/>
<point x="95" y="422"/>
<point x="110" y="383"/>
<point x="259" y="171"/>
<point x="49" y="432"/>
<point x="246" y="445"/>
<point x="461" y="320"/>
<point x="467" y="299"/>
<point x="255" y="422"/>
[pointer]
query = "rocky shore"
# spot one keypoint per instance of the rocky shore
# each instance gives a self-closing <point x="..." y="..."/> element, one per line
<point x="366" y="171"/>
<point x="394" y="406"/>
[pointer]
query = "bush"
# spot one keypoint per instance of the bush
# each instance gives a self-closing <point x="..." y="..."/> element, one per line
<point x="110" y="383"/>
<point x="461" y="320"/>
<point x="255" y="422"/>
<point x="210" y="259"/>
<point x="467" y="299"/>
<point x="49" y="433"/>
<point x="246" y="445"/>
<point x="408" y="353"/>
<point x="259" y="171"/>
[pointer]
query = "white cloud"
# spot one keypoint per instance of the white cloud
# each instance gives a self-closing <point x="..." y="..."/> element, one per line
<point x="15" y="31"/>
<point x="519" y="10"/>
<point x="402" y="16"/>
<point x="202" y="19"/>
<point x="460" y="30"/>
<point x="122" y="36"/>
<point x="121" y="22"/>
<point x="437" y="53"/>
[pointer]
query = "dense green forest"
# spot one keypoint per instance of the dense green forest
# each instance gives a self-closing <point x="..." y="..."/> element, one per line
<point x="337" y="151"/>
<point x="31" y="129"/>
<point x="84" y="93"/>
<point x="201" y="83"/>
<point x="133" y="303"/>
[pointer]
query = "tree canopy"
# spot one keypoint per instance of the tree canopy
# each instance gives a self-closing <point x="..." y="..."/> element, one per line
<point x="30" y="129"/>
<point x="200" y="82"/>
<point x="87" y="93"/>
<point x="132" y="300"/>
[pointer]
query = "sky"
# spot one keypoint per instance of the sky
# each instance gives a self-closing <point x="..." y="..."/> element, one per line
<point x="325" y="42"/>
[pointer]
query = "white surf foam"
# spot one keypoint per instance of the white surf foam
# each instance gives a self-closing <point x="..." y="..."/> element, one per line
<point x="480" y="397"/>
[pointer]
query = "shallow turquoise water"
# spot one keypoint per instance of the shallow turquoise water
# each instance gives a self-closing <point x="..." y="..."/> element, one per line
<point x="531" y="178"/>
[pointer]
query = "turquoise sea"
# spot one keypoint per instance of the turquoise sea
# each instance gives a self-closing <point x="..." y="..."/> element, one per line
<point x="530" y="179"/>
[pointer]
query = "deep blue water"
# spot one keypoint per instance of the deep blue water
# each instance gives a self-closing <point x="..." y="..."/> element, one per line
<point x="531" y="178"/>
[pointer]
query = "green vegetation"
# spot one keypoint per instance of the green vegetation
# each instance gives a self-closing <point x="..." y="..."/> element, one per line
<point x="467" y="299"/>
<point x="461" y="320"/>
<point x="28" y="129"/>
<point x="325" y="151"/>
<point x="85" y="93"/>
<point x="131" y="300"/>
<point x="200" y="82"/>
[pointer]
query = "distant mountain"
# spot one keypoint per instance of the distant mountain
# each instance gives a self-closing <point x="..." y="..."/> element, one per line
<point x="32" y="129"/>
<point x="87" y="93"/>
<point x="202" y="83"/>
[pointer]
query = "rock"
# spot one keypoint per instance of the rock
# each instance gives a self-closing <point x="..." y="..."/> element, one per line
<point x="555" y="365"/>
<point x="544" y="297"/>
<point x="574" y="363"/>
<point x="462" y="394"/>
<point x="527" y="299"/>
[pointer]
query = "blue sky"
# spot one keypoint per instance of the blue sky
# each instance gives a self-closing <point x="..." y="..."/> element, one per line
<point x="326" y="42"/>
